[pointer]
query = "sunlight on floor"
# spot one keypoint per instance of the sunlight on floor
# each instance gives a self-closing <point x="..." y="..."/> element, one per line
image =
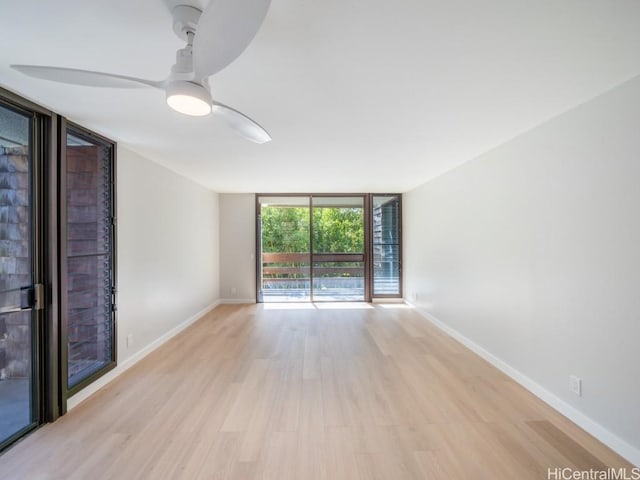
<point x="343" y="306"/>
<point x="289" y="306"/>
<point x="394" y="305"/>
<point x="318" y="306"/>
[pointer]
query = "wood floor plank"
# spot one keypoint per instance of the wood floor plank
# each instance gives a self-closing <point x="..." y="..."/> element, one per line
<point x="281" y="453"/>
<point x="252" y="392"/>
<point x="580" y="457"/>
<point x="262" y="420"/>
<point x="340" y="456"/>
<point x="333" y="408"/>
<point x="242" y="411"/>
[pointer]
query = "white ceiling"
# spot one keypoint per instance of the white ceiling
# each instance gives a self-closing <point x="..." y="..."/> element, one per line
<point x="372" y="95"/>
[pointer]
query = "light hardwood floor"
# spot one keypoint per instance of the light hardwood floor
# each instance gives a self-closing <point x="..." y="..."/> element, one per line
<point x="355" y="392"/>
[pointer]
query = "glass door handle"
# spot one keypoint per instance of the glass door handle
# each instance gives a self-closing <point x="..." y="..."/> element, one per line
<point x="30" y="297"/>
<point x="12" y="309"/>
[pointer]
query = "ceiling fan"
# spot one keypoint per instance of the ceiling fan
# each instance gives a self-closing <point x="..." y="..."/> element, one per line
<point x="215" y="37"/>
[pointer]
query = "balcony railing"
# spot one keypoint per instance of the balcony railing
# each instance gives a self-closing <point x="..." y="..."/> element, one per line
<point x="336" y="276"/>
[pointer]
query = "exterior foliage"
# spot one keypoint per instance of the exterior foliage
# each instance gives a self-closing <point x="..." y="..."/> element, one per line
<point x="335" y="230"/>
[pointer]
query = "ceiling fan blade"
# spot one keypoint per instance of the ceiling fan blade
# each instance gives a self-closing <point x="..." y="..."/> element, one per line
<point x="85" y="77"/>
<point x="225" y="29"/>
<point x="242" y="124"/>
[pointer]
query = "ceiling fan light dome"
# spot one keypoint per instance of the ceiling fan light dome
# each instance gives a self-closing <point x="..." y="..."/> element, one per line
<point x="189" y="98"/>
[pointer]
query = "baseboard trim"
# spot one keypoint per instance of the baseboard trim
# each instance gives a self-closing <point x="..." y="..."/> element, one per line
<point x="615" y="443"/>
<point x="122" y="367"/>
<point x="232" y="301"/>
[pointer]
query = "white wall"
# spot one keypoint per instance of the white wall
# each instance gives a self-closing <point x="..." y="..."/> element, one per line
<point x="237" y="247"/>
<point x="168" y="250"/>
<point x="532" y="251"/>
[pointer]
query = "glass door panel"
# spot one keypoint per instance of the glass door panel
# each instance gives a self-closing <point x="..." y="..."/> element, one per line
<point x="17" y="293"/>
<point x="338" y="241"/>
<point x="285" y="259"/>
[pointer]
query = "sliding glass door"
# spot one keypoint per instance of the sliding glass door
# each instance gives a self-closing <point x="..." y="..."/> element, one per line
<point x="19" y="293"/>
<point x="311" y="248"/>
<point x="284" y="242"/>
<point x="338" y="241"/>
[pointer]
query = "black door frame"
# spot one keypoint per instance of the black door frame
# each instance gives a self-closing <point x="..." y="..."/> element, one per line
<point x="46" y="395"/>
<point x="77" y="130"/>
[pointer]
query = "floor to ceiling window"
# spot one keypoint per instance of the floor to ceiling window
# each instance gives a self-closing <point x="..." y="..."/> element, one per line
<point x="386" y="245"/>
<point x="322" y="247"/>
<point x="88" y="287"/>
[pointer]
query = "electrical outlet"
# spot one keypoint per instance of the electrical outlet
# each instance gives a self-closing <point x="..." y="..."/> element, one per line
<point x="130" y="340"/>
<point x="575" y="384"/>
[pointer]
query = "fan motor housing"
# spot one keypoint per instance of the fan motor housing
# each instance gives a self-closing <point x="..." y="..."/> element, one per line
<point x="185" y="20"/>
